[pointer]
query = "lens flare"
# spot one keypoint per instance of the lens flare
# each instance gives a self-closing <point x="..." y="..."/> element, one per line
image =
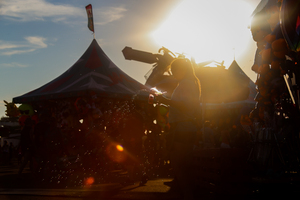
<point x="89" y="181"/>
<point x="116" y="152"/>
<point x="119" y="148"/>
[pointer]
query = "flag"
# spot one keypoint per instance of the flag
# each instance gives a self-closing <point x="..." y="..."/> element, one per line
<point x="89" y="12"/>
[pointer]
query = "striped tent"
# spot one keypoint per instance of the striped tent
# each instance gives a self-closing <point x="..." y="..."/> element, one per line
<point x="93" y="73"/>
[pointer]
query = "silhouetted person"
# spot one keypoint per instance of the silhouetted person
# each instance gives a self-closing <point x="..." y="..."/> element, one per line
<point x="131" y="134"/>
<point x="47" y="142"/>
<point x="225" y="135"/>
<point x="11" y="152"/>
<point x="26" y="143"/>
<point x="39" y="132"/>
<point x="5" y="152"/>
<point x="208" y="136"/>
<point x="184" y="105"/>
<point x="150" y="145"/>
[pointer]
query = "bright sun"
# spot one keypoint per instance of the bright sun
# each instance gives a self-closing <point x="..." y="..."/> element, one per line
<point x="207" y="29"/>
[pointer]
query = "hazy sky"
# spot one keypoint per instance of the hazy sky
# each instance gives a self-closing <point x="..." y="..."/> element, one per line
<point x="40" y="39"/>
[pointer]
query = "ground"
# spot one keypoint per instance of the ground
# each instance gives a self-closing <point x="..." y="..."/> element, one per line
<point x="26" y="187"/>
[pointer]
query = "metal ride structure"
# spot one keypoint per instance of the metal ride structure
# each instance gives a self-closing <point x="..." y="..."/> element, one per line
<point x="218" y="85"/>
<point x="159" y="75"/>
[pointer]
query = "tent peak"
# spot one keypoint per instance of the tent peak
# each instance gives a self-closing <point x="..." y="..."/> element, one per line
<point x="94" y="71"/>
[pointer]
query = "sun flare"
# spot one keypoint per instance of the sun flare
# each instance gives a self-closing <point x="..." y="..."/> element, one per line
<point x="207" y="30"/>
<point x="119" y="148"/>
